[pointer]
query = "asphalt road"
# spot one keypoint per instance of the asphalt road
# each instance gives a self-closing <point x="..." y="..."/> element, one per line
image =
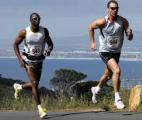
<point x="72" y="116"/>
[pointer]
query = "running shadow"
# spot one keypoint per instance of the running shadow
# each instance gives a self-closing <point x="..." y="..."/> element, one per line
<point x="131" y="113"/>
<point x="66" y="114"/>
<point x="126" y="113"/>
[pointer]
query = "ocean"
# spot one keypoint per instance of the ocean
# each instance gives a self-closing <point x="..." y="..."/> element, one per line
<point x="131" y="73"/>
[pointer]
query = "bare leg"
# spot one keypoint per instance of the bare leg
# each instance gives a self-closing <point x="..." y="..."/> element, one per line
<point x="27" y="86"/>
<point x="114" y="67"/>
<point x="103" y="80"/>
<point x="34" y="76"/>
<point x="105" y="77"/>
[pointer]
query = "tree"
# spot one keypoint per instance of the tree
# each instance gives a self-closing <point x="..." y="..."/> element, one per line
<point x="64" y="79"/>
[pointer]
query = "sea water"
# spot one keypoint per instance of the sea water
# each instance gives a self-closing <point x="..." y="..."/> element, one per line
<point x="131" y="73"/>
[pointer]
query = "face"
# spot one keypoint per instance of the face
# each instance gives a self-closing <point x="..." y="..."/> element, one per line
<point x="35" y="20"/>
<point x="113" y="9"/>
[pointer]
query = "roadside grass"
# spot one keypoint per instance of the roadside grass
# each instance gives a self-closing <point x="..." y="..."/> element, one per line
<point x="26" y="103"/>
<point x="82" y="103"/>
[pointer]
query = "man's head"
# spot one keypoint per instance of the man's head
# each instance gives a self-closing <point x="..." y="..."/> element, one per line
<point x="35" y="19"/>
<point x="112" y="7"/>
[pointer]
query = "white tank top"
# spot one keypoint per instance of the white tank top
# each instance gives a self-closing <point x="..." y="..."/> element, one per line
<point x="111" y="36"/>
<point x="34" y="42"/>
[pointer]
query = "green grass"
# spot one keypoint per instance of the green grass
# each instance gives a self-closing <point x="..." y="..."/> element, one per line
<point x="26" y="103"/>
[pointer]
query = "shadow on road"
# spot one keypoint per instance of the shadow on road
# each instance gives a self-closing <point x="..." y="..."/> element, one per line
<point x="66" y="114"/>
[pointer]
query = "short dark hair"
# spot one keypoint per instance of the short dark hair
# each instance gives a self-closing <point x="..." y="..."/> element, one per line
<point x="112" y="1"/>
<point x="34" y="13"/>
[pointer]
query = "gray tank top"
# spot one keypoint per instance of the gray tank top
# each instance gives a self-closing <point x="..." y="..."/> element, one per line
<point x="111" y="36"/>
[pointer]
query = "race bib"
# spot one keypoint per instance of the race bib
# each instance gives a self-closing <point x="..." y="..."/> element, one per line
<point x="36" y="50"/>
<point x="113" y="41"/>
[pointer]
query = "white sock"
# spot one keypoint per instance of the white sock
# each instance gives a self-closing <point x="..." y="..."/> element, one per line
<point x="117" y="96"/>
<point x="97" y="88"/>
<point x="20" y="87"/>
<point x="39" y="107"/>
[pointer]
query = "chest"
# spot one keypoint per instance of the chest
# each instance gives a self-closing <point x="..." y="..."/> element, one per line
<point x="34" y="38"/>
<point x="115" y="28"/>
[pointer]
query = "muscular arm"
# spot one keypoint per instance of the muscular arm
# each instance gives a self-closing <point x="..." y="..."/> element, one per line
<point x="48" y="41"/>
<point x="16" y="44"/>
<point x="99" y="23"/>
<point x="127" y="29"/>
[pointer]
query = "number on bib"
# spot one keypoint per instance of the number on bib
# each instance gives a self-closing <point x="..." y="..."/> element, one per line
<point x="113" y="41"/>
<point x="36" y="50"/>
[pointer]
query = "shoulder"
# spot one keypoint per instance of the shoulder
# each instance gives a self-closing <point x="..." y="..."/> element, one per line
<point x="27" y="29"/>
<point x="101" y="20"/>
<point x="98" y="23"/>
<point x="124" y="20"/>
<point x="22" y="33"/>
<point x="44" y="29"/>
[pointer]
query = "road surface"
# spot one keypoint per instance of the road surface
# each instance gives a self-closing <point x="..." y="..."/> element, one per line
<point x="72" y="116"/>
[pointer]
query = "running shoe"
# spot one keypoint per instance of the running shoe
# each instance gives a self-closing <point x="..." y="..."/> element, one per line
<point x="17" y="89"/>
<point x="119" y="104"/>
<point x="42" y="113"/>
<point x="94" y="92"/>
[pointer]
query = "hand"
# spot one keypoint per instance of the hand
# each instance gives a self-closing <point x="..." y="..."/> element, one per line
<point x="47" y="53"/>
<point x="22" y="64"/>
<point x="129" y="31"/>
<point x="129" y="34"/>
<point x="93" y="47"/>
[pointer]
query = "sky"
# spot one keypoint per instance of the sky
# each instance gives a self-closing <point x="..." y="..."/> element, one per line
<point x="63" y="18"/>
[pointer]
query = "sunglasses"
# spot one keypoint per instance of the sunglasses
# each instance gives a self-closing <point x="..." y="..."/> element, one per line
<point x="114" y="8"/>
<point x="35" y="18"/>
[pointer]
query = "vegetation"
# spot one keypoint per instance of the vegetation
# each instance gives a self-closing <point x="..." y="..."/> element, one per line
<point x="64" y="79"/>
<point x="70" y="93"/>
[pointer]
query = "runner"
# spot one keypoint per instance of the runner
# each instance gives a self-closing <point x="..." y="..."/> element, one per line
<point x="112" y="28"/>
<point x="35" y="38"/>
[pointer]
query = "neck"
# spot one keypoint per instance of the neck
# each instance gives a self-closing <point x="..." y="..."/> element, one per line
<point x="112" y="18"/>
<point x="35" y="28"/>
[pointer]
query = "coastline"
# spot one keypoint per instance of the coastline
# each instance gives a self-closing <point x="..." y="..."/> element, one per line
<point x="74" y="58"/>
<point x="93" y="67"/>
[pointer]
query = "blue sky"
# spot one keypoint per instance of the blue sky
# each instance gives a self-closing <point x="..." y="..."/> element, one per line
<point x="63" y="18"/>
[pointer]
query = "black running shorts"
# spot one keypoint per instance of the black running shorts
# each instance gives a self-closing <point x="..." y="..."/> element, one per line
<point x="106" y="56"/>
<point x="34" y="65"/>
